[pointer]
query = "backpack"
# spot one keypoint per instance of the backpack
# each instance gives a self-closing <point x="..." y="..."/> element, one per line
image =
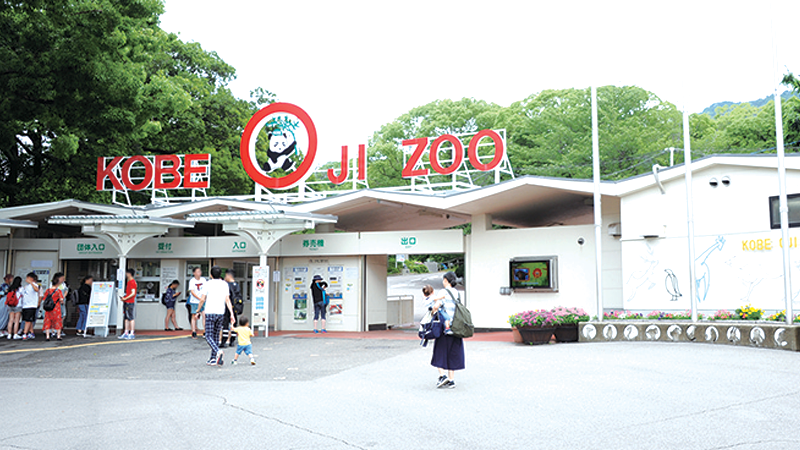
<point x="49" y="303"/>
<point x="461" y="325"/>
<point x="73" y="297"/>
<point x="12" y="300"/>
<point x="165" y="298"/>
<point x="236" y="298"/>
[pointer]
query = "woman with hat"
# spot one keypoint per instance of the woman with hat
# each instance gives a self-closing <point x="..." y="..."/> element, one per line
<point x="318" y="286"/>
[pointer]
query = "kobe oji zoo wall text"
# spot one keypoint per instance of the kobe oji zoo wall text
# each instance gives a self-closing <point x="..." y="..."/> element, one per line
<point x="293" y="147"/>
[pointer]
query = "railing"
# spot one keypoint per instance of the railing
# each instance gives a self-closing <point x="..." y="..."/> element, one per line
<point x="399" y="310"/>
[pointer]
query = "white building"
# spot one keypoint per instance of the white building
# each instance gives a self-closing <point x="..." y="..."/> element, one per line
<point x="644" y="241"/>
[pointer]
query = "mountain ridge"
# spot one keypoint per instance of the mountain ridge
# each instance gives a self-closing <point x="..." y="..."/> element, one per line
<point x="711" y="111"/>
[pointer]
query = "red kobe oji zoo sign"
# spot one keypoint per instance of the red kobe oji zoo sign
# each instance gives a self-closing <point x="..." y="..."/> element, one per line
<point x="292" y="136"/>
<point x="158" y="172"/>
<point x="421" y="144"/>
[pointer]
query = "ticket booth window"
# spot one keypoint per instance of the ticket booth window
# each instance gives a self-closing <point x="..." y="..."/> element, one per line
<point x="148" y="279"/>
<point x="190" y="265"/>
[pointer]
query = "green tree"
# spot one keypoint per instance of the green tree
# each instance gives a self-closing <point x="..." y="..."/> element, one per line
<point x="89" y="78"/>
<point x="550" y="132"/>
<point x="436" y="118"/>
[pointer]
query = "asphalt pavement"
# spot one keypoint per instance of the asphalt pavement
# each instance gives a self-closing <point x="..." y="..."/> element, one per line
<point x="307" y="393"/>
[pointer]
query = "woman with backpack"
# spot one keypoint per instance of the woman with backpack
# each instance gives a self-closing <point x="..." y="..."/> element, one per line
<point x="53" y="321"/>
<point x="14" y="302"/>
<point x="448" y="350"/>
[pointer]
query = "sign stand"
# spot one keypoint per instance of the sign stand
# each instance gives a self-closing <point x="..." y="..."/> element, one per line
<point x="103" y="294"/>
<point x="259" y="313"/>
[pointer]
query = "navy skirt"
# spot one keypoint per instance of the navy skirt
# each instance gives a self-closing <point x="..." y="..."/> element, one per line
<point x="448" y="353"/>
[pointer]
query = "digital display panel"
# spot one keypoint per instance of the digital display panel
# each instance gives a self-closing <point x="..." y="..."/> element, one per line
<point x="533" y="274"/>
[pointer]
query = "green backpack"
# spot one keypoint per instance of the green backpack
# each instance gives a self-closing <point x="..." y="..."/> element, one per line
<point x="461" y="325"/>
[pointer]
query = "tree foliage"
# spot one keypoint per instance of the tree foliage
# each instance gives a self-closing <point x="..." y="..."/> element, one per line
<point x="549" y="132"/>
<point x="89" y="78"/>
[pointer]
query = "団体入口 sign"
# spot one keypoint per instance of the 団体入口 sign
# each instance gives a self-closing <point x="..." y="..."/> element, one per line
<point x="141" y="172"/>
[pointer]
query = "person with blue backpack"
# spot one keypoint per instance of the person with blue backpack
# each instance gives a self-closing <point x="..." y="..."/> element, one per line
<point x="320" y="297"/>
<point x="168" y="300"/>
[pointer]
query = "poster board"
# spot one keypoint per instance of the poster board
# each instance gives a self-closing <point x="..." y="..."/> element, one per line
<point x="260" y="296"/>
<point x="100" y="305"/>
<point x="300" y="293"/>
<point x="335" y="294"/>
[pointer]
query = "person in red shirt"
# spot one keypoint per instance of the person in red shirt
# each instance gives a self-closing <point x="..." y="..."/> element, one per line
<point x="129" y="305"/>
<point x="53" y="322"/>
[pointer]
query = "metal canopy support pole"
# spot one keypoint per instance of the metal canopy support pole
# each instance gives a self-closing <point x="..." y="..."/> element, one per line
<point x="784" y="203"/>
<point x="598" y="214"/>
<point x="687" y="155"/>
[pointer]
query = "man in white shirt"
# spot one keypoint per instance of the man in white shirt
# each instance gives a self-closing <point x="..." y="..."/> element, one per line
<point x="216" y="299"/>
<point x="196" y="292"/>
<point x="30" y="304"/>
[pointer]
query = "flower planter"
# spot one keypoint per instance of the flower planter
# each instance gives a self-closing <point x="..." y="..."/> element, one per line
<point x="567" y="333"/>
<point x="536" y="335"/>
<point x="515" y="335"/>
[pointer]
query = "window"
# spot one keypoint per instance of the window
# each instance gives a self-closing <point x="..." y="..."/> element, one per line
<point x="148" y="279"/>
<point x="775" y="214"/>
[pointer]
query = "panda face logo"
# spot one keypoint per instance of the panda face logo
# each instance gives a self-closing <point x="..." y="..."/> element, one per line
<point x="287" y="145"/>
<point x="282" y="147"/>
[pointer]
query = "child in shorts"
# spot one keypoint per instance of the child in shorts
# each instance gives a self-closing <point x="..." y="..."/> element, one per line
<point x="437" y="304"/>
<point x="243" y="333"/>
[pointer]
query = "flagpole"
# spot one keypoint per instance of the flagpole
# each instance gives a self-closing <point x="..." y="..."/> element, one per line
<point x="687" y="155"/>
<point x="598" y="216"/>
<point x="784" y="203"/>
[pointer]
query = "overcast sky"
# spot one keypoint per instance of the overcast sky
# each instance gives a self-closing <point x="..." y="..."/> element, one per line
<point x="354" y="66"/>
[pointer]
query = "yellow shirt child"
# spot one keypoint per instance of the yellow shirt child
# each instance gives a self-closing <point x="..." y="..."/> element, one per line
<point x="243" y="334"/>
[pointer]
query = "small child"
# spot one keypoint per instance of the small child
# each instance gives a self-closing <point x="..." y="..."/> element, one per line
<point x="437" y="304"/>
<point x="244" y="333"/>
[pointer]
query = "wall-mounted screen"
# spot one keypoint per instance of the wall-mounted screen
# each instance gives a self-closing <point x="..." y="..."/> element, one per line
<point x="534" y="274"/>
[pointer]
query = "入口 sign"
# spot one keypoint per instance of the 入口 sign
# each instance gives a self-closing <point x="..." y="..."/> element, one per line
<point x="158" y="172"/>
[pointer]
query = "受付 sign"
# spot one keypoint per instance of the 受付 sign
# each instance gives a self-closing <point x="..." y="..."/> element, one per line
<point x="140" y="172"/>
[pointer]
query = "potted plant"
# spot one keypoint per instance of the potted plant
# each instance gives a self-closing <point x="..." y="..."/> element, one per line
<point x="535" y="327"/>
<point x="567" y="323"/>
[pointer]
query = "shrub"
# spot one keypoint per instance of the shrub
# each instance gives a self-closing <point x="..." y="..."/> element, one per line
<point x="747" y="312"/>
<point x="565" y="316"/>
<point x="620" y="315"/>
<point x="723" y="315"/>
<point x="538" y="318"/>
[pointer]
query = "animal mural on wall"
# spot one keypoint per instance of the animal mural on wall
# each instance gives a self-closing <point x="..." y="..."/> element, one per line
<point x="703" y="271"/>
<point x="671" y="283"/>
<point x="640" y="279"/>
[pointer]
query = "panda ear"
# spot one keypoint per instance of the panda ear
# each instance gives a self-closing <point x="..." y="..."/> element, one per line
<point x="269" y="135"/>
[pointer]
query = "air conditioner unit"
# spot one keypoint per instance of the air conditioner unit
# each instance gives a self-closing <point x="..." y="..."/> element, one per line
<point x="615" y="229"/>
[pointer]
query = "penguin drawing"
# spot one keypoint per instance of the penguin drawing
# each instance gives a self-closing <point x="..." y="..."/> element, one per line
<point x="671" y="282"/>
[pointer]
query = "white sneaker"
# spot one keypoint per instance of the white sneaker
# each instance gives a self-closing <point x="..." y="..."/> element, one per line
<point x="17" y="336"/>
<point x="123" y="336"/>
<point x="8" y="336"/>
